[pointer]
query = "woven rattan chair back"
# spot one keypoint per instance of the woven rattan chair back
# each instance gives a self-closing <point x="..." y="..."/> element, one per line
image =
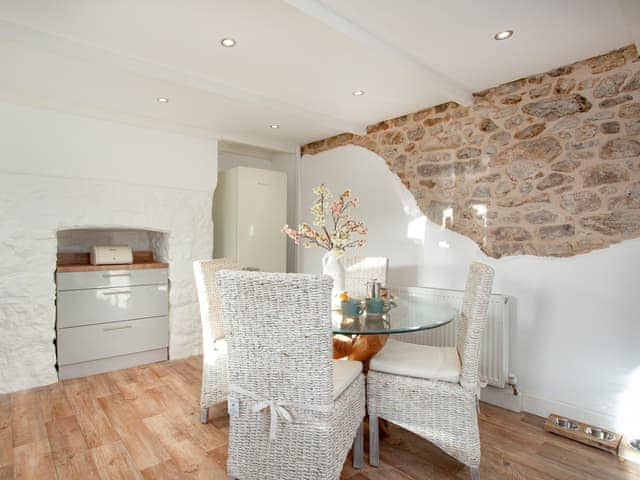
<point x="473" y="320"/>
<point x="359" y="270"/>
<point x="205" y="273"/>
<point x="278" y="334"/>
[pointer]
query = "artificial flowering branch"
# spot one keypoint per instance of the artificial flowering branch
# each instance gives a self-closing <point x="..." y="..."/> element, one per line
<point x="335" y="237"/>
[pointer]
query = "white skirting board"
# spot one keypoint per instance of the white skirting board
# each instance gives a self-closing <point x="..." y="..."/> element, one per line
<point x="502" y="397"/>
<point x="543" y="407"/>
<point x="523" y="402"/>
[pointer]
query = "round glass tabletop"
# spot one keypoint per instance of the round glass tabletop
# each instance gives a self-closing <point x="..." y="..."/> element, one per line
<point x="413" y="311"/>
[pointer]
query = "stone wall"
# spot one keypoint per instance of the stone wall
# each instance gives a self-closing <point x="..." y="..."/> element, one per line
<point x="546" y="165"/>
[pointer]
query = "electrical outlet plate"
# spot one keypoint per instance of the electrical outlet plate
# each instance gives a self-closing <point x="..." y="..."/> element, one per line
<point x="627" y="451"/>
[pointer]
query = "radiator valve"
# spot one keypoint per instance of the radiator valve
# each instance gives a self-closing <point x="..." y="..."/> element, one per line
<point x="512" y="380"/>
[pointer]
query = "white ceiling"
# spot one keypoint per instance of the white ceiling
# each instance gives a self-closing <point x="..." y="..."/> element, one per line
<point x="295" y="64"/>
<point x="455" y="37"/>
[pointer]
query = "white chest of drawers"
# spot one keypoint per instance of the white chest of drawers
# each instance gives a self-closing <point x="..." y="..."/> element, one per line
<point x="111" y="319"/>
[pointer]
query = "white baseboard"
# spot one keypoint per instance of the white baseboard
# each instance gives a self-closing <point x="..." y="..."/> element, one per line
<point x="502" y="397"/>
<point x="543" y="407"/>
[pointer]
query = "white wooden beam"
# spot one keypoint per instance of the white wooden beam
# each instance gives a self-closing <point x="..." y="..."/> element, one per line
<point x="66" y="46"/>
<point x="452" y="88"/>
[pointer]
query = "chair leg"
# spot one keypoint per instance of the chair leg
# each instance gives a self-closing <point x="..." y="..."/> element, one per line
<point x="475" y="473"/>
<point x="374" y="441"/>
<point x="204" y="414"/>
<point x="358" y="447"/>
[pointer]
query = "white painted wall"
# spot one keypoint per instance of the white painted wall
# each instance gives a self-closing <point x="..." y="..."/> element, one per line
<point x="60" y="171"/>
<point x="574" y="343"/>
<point x="43" y="142"/>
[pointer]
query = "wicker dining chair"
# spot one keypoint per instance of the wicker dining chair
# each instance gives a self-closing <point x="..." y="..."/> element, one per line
<point x="214" y="347"/>
<point x="433" y="391"/>
<point x="294" y="412"/>
<point x="359" y="270"/>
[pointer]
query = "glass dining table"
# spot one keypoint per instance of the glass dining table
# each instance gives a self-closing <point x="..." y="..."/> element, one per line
<point x="411" y="310"/>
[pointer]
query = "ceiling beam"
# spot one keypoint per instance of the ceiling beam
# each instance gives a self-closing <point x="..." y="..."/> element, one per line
<point x="65" y="46"/>
<point x="70" y="106"/>
<point x="314" y="8"/>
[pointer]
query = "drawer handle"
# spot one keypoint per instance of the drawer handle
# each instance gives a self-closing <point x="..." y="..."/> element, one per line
<point x="111" y="329"/>
<point x="110" y="275"/>
<point x="121" y="292"/>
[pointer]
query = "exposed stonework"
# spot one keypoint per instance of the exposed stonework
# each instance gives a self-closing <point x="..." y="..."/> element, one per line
<point x="545" y="165"/>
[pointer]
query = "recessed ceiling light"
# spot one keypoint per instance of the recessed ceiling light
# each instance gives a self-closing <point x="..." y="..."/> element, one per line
<point x="503" y="35"/>
<point x="228" y="42"/>
<point x="357" y="93"/>
<point x="163" y="99"/>
<point x="274" y="126"/>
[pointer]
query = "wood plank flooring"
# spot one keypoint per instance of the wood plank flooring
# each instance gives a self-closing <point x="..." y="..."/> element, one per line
<point x="143" y="423"/>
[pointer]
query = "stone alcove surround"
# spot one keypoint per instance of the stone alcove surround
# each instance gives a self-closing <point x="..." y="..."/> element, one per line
<point x="38" y="211"/>
<point x="546" y="165"/>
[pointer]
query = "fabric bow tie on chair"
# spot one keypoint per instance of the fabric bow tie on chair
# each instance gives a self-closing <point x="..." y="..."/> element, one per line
<point x="277" y="410"/>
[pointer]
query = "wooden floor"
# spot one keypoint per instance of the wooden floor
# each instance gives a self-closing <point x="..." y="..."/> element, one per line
<point x="144" y="423"/>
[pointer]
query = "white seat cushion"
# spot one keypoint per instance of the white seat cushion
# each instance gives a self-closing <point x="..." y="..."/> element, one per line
<point x="344" y="373"/>
<point x="419" y="361"/>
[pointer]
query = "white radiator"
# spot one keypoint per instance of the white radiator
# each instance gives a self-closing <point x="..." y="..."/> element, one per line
<point x="494" y="357"/>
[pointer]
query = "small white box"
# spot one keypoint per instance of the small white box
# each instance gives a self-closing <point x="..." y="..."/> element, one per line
<point x="111" y="255"/>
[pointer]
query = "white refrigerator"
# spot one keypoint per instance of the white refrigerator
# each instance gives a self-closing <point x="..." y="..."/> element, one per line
<point x="249" y="210"/>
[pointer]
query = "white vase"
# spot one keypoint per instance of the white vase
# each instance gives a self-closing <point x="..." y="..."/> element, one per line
<point x="332" y="266"/>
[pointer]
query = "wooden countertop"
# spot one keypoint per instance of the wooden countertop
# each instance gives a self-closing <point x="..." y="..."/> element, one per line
<point x="96" y="268"/>
<point x="79" y="262"/>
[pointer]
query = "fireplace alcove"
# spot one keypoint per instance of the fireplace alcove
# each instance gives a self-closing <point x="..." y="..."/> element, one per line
<point x="110" y="317"/>
<point x="81" y="239"/>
